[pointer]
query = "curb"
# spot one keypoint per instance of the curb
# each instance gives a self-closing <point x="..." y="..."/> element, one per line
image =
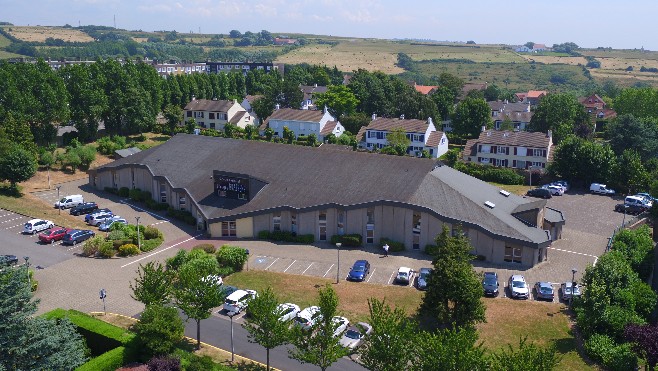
<point x="239" y="357"/>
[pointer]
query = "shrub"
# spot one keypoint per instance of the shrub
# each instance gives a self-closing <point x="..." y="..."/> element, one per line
<point x="490" y="173"/>
<point x="614" y="357"/>
<point x="431" y="249"/>
<point x="232" y="256"/>
<point x="149" y="245"/>
<point x="183" y="215"/>
<point x="151" y="233"/>
<point x="135" y="194"/>
<point x="124" y="191"/>
<point x="92" y="246"/>
<point x="285" y="236"/>
<point x="264" y="235"/>
<point x="111" y="190"/>
<point x="164" y="364"/>
<point x="347" y="240"/>
<point x="209" y="248"/>
<point x="305" y="238"/>
<point x="116" y="234"/>
<point x="107" y="250"/>
<point x="128" y="250"/>
<point x="118" y="243"/>
<point x="393" y="246"/>
<point x="146" y="195"/>
<point x="159" y="329"/>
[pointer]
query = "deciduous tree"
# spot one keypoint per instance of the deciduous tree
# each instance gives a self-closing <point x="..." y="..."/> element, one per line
<point x="153" y="284"/>
<point x="450" y="349"/>
<point x="390" y="345"/>
<point x="470" y="116"/>
<point x="560" y="113"/>
<point x="263" y="323"/>
<point x="339" y="100"/>
<point x="159" y="329"/>
<point x="17" y="165"/>
<point x="527" y="357"/>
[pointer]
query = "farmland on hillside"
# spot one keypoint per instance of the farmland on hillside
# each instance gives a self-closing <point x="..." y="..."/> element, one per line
<point x="40" y="34"/>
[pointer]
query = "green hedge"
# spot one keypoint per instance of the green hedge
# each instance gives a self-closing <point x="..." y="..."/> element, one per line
<point x="155" y="205"/>
<point x="182" y="215"/>
<point x="489" y="173"/>
<point x="149" y="245"/>
<point x="264" y="235"/>
<point x="285" y="236"/>
<point x="347" y="240"/>
<point x="431" y="249"/>
<point x="111" y="190"/>
<point x="124" y="192"/>
<point x="92" y="324"/>
<point x="393" y="246"/>
<point x="108" y="361"/>
<point x="135" y="194"/>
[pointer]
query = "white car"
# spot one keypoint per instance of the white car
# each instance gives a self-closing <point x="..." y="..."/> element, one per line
<point x="355" y="335"/>
<point x="341" y="325"/>
<point x="555" y="190"/>
<point x="287" y="311"/>
<point x="308" y="317"/>
<point x="100" y="218"/>
<point x="566" y="290"/>
<point x="238" y="300"/>
<point x="403" y="276"/>
<point x="214" y="279"/>
<point x="107" y="224"/>
<point x="518" y="287"/>
<point x="37" y="225"/>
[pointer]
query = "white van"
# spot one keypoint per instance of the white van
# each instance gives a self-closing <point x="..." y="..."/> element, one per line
<point x="636" y="201"/>
<point x="601" y="189"/>
<point x="237" y="301"/>
<point x="69" y="201"/>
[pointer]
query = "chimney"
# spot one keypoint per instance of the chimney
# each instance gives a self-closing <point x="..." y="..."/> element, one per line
<point x="429" y="121"/>
<point x="549" y="134"/>
<point x="505" y="101"/>
<point x="193" y="97"/>
<point x="402" y="116"/>
<point x="374" y="116"/>
<point x="235" y="101"/>
<point x="277" y="106"/>
<point x="484" y="128"/>
<point x="325" y="110"/>
<point x="315" y="85"/>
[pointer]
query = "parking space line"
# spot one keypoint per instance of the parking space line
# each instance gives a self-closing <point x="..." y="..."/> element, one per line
<point x="268" y="267"/>
<point x="293" y="262"/>
<point x="7" y="221"/>
<point x="411" y="279"/>
<point x="159" y="251"/>
<point x="574" y="252"/>
<point x="71" y="248"/>
<point x="14" y="226"/>
<point x="391" y="278"/>
<point x="144" y="210"/>
<point x="371" y="274"/>
<point x="160" y="222"/>
<point x="309" y="266"/>
<point x="325" y="273"/>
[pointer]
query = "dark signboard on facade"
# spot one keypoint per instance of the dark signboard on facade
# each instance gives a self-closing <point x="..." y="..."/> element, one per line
<point x="231" y="187"/>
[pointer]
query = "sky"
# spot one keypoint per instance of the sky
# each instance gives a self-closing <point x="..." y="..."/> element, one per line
<point x="606" y="23"/>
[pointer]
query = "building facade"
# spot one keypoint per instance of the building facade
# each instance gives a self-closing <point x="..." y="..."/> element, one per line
<point x="215" y="114"/>
<point x="422" y="135"/>
<point x="303" y="122"/>
<point x="514" y="149"/>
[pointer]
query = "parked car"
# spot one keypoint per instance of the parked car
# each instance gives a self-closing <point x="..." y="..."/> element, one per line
<point x="423" y="275"/>
<point x="238" y="300"/>
<point x="99" y="211"/>
<point x="98" y="219"/>
<point x="555" y="190"/>
<point x="518" y="287"/>
<point x="37" y="225"/>
<point x="308" y="317"/>
<point x="539" y="192"/>
<point x="567" y="292"/>
<point x="355" y="335"/>
<point x="563" y="183"/>
<point x="359" y="271"/>
<point x="544" y="290"/>
<point x="7" y="260"/>
<point x="228" y="290"/>
<point x="646" y="196"/>
<point x="287" y="311"/>
<point x="601" y="189"/>
<point x="341" y="325"/>
<point x="106" y="225"/>
<point x="76" y="236"/>
<point x="85" y="208"/>
<point x="53" y="235"/>
<point x="630" y="209"/>
<point x="638" y="201"/>
<point x="69" y="201"/>
<point x="490" y="284"/>
<point x="403" y="276"/>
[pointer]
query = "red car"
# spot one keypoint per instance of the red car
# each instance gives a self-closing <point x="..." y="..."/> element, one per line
<point x="53" y="234"/>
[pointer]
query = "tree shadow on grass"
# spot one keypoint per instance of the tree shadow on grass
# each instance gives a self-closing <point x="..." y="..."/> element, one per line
<point x="9" y="191"/>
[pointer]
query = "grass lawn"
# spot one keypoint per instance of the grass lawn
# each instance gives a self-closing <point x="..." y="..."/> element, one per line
<point x="507" y="320"/>
<point x="34" y="207"/>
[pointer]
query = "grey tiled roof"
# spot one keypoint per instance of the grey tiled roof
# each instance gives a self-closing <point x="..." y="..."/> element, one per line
<point x="388" y="124"/>
<point x="434" y="139"/>
<point x="329" y="127"/>
<point x="209" y="105"/>
<point x="300" y="177"/>
<point x="509" y="107"/>
<point x="513" y="138"/>
<point x="554" y="216"/>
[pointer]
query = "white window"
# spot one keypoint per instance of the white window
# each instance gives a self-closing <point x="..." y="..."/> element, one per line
<point x="537" y="164"/>
<point x="163" y="192"/>
<point x="181" y="202"/>
<point x="276" y="221"/>
<point x="521" y="151"/>
<point x="485" y="149"/>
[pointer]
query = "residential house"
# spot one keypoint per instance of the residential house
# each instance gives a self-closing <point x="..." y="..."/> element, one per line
<point x="522" y="49"/>
<point x="309" y="95"/>
<point x="513" y="149"/>
<point x="598" y="110"/>
<point x="303" y="122"/>
<point x="468" y="87"/>
<point x="167" y="69"/>
<point x="244" y="67"/>
<point x="237" y="188"/>
<point x="538" y="48"/>
<point x="214" y="114"/>
<point x="517" y="113"/>
<point x="425" y="89"/>
<point x="247" y="104"/>
<point x="284" y="41"/>
<point x="422" y="134"/>
<point x="532" y="96"/>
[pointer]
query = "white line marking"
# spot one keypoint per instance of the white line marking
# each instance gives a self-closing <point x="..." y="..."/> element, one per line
<point x="144" y="210"/>
<point x="293" y="262"/>
<point x="17" y="225"/>
<point x="309" y="266"/>
<point x="159" y="251"/>
<point x="268" y="267"/>
<point x="71" y="248"/>
<point x="164" y="221"/>
<point x="2" y="216"/>
<point x="371" y="274"/>
<point x="7" y="221"/>
<point x="411" y="280"/>
<point x="389" y="280"/>
<point x="574" y="252"/>
<point x="325" y="273"/>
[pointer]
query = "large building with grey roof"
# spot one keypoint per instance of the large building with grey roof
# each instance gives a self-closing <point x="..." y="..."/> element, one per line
<point x="237" y="188"/>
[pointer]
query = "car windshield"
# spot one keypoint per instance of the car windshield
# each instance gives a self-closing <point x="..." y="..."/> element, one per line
<point x="301" y="320"/>
<point x="286" y="311"/>
<point x="402" y="274"/>
<point x="546" y="290"/>
<point x="518" y="284"/>
<point x="229" y="302"/>
<point x="353" y="334"/>
<point x="490" y="280"/>
<point x="62" y="200"/>
<point x="359" y="268"/>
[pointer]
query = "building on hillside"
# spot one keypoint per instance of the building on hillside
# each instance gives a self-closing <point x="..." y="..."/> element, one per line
<point x="309" y="95"/>
<point x="167" y="69"/>
<point x="262" y="186"/>
<point x="422" y="134"/>
<point x="214" y="114"/>
<point x="424" y="89"/>
<point x="303" y="122"/>
<point x="598" y="110"/>
<point x="513" y="149"/>
<point x="517" y="114"/>
<point x="538" y="48"/>
<point x="532" y="96"/>
<point x="244" y="67"/>
<point x="472" y="86"/>
<point x="284" y="41"/>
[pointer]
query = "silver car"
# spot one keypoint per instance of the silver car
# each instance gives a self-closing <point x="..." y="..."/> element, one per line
<point x="423" y="275"/>
<point x="567" y="293"/>
<point x="355" y="335"/>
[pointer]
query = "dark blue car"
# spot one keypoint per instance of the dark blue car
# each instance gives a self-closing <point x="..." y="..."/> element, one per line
<point x="359" y="271"/>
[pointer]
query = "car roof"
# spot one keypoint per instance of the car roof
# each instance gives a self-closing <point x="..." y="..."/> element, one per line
<point x="404" y="269"/>
<point x="425" y="270"/>
<point x="32" y="221"/>
<point x="517" y="277"/>
<point x="490" y="274"/>
<point x="360" y="262"/>
<point x="237" y="294"/>
<point x="544" y="284"/>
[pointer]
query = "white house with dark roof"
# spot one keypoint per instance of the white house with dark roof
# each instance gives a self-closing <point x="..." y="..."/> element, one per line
<point x="518" y="114"/>
<point x="262" y="186"/>
<point x="514" y="149"/>
<point x="303" y="122"/>
<point x="214" y="114"/>
<point x="309" y="95"/>
<point x="422" y="134"/>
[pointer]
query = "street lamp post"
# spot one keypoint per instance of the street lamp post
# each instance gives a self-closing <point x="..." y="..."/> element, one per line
<point x="27" y="264"/>
<point x="338" y="262"/>
<point x="230" y="315"/>
<point x="59" y="209"/>
<point x="139" y="240"/>
<point x="573" y="284"/>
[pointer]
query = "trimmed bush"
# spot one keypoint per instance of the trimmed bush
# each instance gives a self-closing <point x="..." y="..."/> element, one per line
<point x="164" y="363"/>
<point x="153" y="244"/>
<point x="118" y="243"/>
<point x="107" y="250"/>
<point x="116" y="234"/>
<point x="135" y="194"/>
<point x="124" y="192"/>
<point x="151" y="233"/>
<point x="490" y="173"/>
<point x="111" y="190"/>
<point x="92" y="246"/>
<point x="305" y="238"/>
<point x="604" y="350"/>
<point x="264" y="235"/>
<point x="146" y="195"/>
<point x="209" y="248"/>
<point x="128" y="250"/>
<point x="182" y="215"/>
<point x="232" y="256"/>
<point x="393" y="246"/>
<point x="347" y="240"/>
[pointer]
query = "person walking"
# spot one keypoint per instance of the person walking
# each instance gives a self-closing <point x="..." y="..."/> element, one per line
<point x="385" y="249"/>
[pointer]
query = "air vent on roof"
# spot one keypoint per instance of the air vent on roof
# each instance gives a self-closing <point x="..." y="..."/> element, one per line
<point x="489" y="204"/>
<point x="504" y="193"/>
